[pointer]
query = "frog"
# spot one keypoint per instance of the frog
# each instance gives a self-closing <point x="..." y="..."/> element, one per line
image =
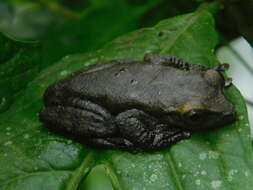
<point x="138" y="106"/>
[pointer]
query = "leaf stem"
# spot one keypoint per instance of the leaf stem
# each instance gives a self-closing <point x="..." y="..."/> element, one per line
<point x="82" y="171"/>
<point x="110" y="173"/>
<point x="174" y="170"/>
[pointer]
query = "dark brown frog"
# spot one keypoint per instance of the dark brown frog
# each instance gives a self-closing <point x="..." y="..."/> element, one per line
<point x="138" y="105"/>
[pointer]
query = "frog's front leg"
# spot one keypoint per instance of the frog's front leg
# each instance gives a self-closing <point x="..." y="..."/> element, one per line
<point x="165" y="59"/>
<point x="145" y="131"/>
<point x="79" y="118"/>
<point x="173" y="61"/>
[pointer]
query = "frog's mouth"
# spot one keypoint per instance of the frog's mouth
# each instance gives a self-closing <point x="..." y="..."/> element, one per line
<point x="200" y="120"/>
<point x="221" y="120"/>
<point x="208" y="120"/>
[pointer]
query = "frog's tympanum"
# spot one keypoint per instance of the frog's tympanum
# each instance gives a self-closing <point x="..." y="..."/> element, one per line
<point x="138" y="105"/>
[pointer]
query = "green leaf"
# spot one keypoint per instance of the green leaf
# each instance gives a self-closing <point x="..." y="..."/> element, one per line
<point x="31" y="157"/>
<point x="19" y="63"/>
<point x="98" y="24"/>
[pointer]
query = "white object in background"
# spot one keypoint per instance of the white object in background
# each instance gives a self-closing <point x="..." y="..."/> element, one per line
<point x="238" y="54"/>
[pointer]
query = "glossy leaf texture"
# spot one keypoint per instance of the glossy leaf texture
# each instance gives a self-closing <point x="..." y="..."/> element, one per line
<point x="31" y="157"/>
<point x="19" y="62"/>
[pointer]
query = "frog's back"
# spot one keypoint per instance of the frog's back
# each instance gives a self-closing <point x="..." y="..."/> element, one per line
<point x="143" y="85"/>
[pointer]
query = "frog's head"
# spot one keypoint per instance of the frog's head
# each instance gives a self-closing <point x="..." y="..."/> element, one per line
<point x="216" y="113"/>
<point x="211" y="110"/>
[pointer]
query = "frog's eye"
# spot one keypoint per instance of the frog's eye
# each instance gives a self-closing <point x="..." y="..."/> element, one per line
<point x="194" y="116"/>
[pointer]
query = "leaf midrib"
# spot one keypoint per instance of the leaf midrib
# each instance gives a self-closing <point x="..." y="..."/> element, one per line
<point x="174" y="171"/>
<point x="81" y="171"/>
<point x="192" y="20"/>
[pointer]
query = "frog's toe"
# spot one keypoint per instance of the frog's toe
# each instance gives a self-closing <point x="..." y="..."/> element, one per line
<point x="228" y="82"/>
<point x="166" y="139"/>
<point x="112" y="143"/>
<point x="165" y="59"/>
<point x="222" y="67"/>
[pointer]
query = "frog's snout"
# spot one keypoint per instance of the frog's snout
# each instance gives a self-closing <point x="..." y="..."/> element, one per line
<point x="222" y="118"/>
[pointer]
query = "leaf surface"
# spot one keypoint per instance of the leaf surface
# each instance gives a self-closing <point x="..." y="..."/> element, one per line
<point x="19" y="62"/>
<point x="31" y="157"/>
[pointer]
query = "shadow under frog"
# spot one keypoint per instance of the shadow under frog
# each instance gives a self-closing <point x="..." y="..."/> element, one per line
<point x="138" y="105"/>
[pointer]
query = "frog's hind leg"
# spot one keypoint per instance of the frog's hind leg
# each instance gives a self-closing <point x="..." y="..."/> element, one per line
<point x="173" y="61"/>
<point x="79" y="119"/>
<point x="145" y="132"/>
<point x="112" y="143"/>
